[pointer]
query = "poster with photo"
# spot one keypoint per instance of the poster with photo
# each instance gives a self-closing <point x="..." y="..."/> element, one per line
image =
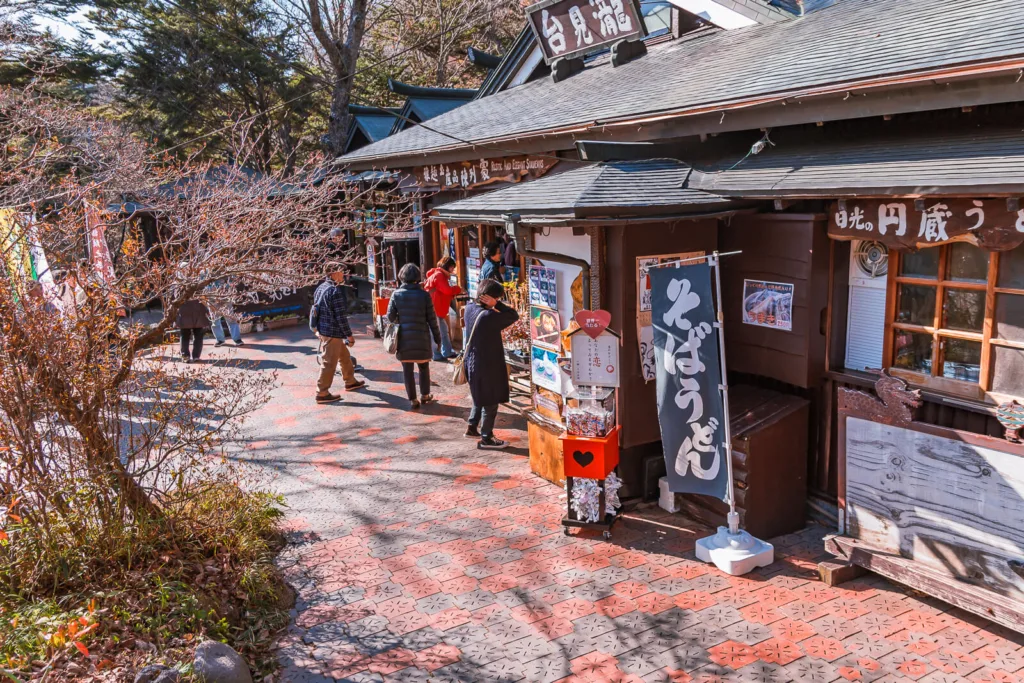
<point x="545" y="370"/>
<point x="545" y="328"/>
<point x="768" y="304"/>
<point x="543" y="287"/>
<point x="371" y="263"/>
<point x="472" y="278"/>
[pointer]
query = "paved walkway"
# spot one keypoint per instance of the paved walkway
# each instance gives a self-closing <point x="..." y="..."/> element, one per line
<point x="418" y="558"/>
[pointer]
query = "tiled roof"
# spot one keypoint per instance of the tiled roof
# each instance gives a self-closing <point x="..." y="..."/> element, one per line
<point x="618" y="187"/>
<point x="375" y="127"/>
<point x="847" y="43"/>
<point x="973" y="163"/>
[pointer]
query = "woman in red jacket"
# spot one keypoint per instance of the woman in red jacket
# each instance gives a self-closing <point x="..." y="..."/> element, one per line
<point x="442" y="292"/>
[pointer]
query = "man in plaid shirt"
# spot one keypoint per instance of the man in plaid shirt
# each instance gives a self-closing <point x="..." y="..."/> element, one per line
<point x="330" y="312"/>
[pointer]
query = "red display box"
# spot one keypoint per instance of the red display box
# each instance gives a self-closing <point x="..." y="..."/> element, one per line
<point x="590" y="457"/>
<point x="382" y="305"/>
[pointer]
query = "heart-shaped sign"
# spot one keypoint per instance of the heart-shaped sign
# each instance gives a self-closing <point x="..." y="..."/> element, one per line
<point x="583" y="459"/>
<point x="593" y="322"/>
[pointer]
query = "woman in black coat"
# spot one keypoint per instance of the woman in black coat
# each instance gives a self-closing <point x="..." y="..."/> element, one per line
<point x="193" y="317"/>
<point x="412" y="309"/>
<point x="485" y="361"/>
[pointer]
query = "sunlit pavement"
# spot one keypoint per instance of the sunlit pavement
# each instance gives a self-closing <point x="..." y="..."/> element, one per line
<point x="416" y="557"/>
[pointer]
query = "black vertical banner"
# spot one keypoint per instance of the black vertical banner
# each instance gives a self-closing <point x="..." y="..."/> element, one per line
<point x="688" y="372"/>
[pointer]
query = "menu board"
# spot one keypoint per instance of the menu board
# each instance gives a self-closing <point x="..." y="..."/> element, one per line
<point x="543" y="287"/>
<point x="595" y="362"/>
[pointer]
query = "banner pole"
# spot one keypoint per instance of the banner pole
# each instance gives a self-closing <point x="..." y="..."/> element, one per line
<point x="733" y="517"/>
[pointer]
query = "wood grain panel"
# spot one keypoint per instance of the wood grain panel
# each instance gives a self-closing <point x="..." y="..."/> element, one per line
<point x="947" y="504"/>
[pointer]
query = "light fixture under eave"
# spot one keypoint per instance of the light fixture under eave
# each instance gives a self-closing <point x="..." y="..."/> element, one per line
<point x="1013" y="204"/>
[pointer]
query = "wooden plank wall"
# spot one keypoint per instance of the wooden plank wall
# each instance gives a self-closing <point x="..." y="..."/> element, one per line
<point x="946" y="503"/>
<point x="789" y="248"/>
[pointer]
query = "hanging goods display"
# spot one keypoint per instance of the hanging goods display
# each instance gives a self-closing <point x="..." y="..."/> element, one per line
<point x="693" y="403"/>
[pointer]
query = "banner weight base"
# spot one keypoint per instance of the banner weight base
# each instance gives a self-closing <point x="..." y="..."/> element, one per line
<point x="735" y="554"/>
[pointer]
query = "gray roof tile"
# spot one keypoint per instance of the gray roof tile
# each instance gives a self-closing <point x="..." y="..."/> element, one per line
<point x="846" y="43"/>
<point x="976" y="163"/>
<point x="590" y="189"/>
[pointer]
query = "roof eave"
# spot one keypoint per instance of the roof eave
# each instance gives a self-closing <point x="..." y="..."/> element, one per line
<point x="627" y="127"/>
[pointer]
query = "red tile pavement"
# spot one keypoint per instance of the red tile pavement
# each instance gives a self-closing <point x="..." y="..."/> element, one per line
<point x="416" y="557"/>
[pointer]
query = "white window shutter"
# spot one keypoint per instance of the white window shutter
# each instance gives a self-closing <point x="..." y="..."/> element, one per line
<point x="865" y="328"/>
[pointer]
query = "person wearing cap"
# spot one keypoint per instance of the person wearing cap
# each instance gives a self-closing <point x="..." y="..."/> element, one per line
<point x="329" y="319"/>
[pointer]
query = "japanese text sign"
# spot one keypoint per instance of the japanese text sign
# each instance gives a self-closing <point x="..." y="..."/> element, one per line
<point x="570" y="28"/>
<point x="690" y="406"/>
<point x="595" y="360"/>
<point x="907" y="224"/>
<point x="468" y="174"/>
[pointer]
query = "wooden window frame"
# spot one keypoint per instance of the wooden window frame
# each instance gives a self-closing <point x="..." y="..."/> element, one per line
<point x="935" y="381"/>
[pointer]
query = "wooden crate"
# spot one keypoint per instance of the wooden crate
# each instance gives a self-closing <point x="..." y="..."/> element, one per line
<point x="545" y="449"/>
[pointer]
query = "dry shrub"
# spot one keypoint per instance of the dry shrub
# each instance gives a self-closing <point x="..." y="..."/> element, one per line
<point x="121" y="518"/>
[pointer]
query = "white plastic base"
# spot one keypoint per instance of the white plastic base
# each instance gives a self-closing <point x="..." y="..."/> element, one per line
<point x="666" y="499"/>
<point x="735" y="554"/>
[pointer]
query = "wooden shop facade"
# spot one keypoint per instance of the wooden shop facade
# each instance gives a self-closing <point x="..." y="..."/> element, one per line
<point x="874" y="315"/>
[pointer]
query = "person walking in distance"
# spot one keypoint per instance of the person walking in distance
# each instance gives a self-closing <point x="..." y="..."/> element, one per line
<point x="442" y="291"/>
<point x="412" y="309"/>
<point x="193" y="317"/>
<point x="485" y="361"/>
<point x="224" y="313"/>
<point x="329" y="319"/>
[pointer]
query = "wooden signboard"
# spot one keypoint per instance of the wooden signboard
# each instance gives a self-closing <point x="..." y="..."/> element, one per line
<point x="907" y="224"/>
<point x="572" y="28"/>
<point x="934" y="508"/>
<point x="467" y="174"/>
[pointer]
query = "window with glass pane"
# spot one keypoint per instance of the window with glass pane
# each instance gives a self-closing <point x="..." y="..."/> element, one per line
<point x="958" y="314"/>
<point x="916" y="305"/>
<point x="913" y="351"/>
<point x="1011" y="268"/>
<point x="961" y="359"/>
<point x="964" y="309"/>
<point x="967" y="263"/>
<point x="922" y="263"/>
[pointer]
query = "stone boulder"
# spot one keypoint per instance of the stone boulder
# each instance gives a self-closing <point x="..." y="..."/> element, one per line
<point x="218" y="663"/>
<point x="157" y="673"/>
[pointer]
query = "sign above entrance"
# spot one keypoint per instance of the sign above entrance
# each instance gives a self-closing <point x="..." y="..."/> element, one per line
<point x="913" y="223"/>
<point x="467" y="174"/>
<point x="572" y="28"/>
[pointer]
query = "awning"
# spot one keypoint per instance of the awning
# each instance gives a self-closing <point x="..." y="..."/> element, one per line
<point x="980" y="163"/>
<point x="401" y="236"/>
<point x="372" y="177"/>
<point x="615" y="189"/>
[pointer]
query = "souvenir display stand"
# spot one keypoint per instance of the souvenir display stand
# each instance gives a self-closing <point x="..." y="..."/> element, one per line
<point x="590" y="458"/>
<point x="590" y="443"/>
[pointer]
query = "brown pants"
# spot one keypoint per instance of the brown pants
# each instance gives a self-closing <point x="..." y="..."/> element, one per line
<point x="335" y="351"/>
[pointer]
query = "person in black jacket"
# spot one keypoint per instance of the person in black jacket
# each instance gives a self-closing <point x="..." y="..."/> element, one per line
<point x="412" y="309"/>
<point x="485" y="361"/>
<point x="193" y="317"/>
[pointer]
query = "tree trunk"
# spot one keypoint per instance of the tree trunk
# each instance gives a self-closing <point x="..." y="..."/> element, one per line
<point x="337" y="127"/>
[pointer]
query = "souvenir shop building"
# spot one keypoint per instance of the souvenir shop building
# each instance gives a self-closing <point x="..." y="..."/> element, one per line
<point x="874" y="312"/>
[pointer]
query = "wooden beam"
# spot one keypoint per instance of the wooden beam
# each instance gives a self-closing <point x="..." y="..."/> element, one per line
<point x="833" y="573"/>
<point x="998" y="608"/>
